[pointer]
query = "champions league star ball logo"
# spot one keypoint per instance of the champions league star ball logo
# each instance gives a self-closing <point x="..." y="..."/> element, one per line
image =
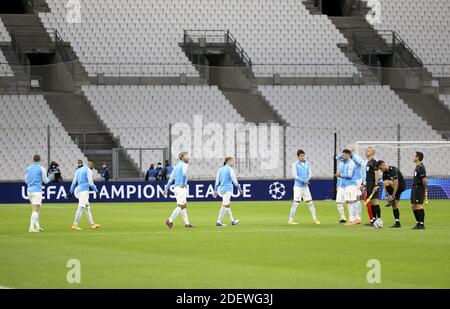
<point x="277" y="190"/>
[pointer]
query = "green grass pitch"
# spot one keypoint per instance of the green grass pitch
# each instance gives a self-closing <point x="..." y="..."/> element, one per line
<point x="134" y="249"/>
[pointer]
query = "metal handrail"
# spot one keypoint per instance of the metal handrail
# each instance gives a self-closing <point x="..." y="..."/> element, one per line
<point x="187" y="40"/>
<point x="59" y="43"/>
<point x="406" y="46"/>
<point x="395" y="39"/>
<point x="228" y="38"/>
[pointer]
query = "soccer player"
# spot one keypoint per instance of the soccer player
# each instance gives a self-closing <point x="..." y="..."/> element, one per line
<point x="371" y="183"/>
<point x="358" y="177"/>
<point x="180" y="180"/>
<point x="225" y="180"/>
<point x="301" y="171"/>
<point x="340" y="195"/>
<point x="365" y="196"/>
<point x="35" y="176"/>
<point x="81" y="183"/>
<point x="419" y="191"/>
<point x="348" y="181"/>
<point x="394" y="185"/>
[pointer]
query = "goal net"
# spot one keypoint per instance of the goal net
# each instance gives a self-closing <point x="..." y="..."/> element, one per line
<point x="400" y="153"/>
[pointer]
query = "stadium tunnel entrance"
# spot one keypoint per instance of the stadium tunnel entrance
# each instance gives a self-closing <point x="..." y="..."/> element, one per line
<point x="223" y="72"/>
<point x="333" y="7"/>
<point x="15" y="7"/>
<point x="51" y="73"/>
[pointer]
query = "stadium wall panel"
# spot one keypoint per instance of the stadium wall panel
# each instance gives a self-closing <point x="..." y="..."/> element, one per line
<point x="254" y="190"/>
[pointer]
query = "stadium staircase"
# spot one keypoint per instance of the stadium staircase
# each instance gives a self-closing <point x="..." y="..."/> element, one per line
<point x="19" y="83"/>
<point x="349" y="26"/>
<point x="311" y="7"/>
<point x="67" y="101"/>
<point x="30" y="37"/>
<point x="368" y="49"/>
<point x="84" y="126"/>
<point x="222" y="62"/>
<point x="40" y="6"/>
<point x="430" y="108"/>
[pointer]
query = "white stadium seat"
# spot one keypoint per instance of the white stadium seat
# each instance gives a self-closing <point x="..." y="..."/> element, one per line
<point x="446" y="100"/>
<point x="270" y="31"/>
<point x="140" y="117"/>
<point x="424" y="25"/>
<point x="315" y="113"/>
<point x="5" y="69"/>
<point x="23" y="133"/>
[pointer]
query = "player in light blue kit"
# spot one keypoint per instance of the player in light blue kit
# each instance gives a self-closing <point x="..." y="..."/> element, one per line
<point x="226" y="178"/>
<point x="180" y="180"/>
<point x="301" y="171"/>
<point x="35" y="176"/>
<point x="340" y="195"/>
<point x="358" y="176"/>
<point x="81" y="184"/>
<point x="348" y="184"/>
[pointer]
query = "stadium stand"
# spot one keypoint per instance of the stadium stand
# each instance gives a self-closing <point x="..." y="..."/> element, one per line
<point x="425" y="25"/>
<point x="446" y="100"/>
<point x="4" y="35"/>
<point x="141" y="38"/>
<point x="5" y="69"/>
<point x="341" y="109"/>
<point x="106" y="34"/>
<point x="24" y="120"/>
<point x="140" y="115"/>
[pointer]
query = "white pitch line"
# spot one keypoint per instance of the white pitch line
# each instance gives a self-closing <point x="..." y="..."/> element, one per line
<point x="4" y="288"/>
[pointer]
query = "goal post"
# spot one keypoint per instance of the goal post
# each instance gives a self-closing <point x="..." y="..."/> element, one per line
<point x="400" y="153"/>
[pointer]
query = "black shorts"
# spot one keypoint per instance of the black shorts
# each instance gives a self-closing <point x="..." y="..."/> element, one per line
<point x="398" y="194"/>
<point x="417" y="195"/>
<point x="369" y="187"/>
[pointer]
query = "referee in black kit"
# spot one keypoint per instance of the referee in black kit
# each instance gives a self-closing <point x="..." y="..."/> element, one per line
<point x="419" y="191"/>
<point x="394" y="185"/>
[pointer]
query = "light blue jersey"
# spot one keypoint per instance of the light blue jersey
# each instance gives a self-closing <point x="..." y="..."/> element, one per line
<point x="225" y="180"/>
<point x="301" y="171"/>
<point x="178" y="175"/>
<point x="358" y="174"/>
<point x="35" y="176"/>
<point x="364" y="170"/>
<point x="338" y="180"/>
<point x="82" y="180"/>
<point x="347" y="170"/>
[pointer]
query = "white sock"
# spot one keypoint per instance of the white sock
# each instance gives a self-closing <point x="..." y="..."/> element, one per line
<point x="312" y="209"/>
<point x="174" y="214"/>
<point x="341" y="211"/>
<point x="358" y="210"/>
<point x="34" y="222"/>
<point x="184" y="216"/>
<point x="351" y="211"/>
<point x="89" y="215"/>
<point x="221" y="214"/>
<point x="293" y="210"/>
<point x="230" y="214"/>
<point x="78" y="215"/>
